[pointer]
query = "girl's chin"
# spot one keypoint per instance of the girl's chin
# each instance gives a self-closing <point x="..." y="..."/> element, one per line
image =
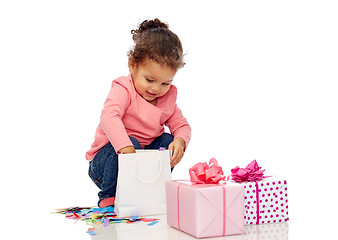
<point x="149" y="96"/>
<point x="148" y="99"/>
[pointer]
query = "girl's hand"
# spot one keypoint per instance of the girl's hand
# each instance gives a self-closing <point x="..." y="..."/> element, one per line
<point x="129" y="149"/>
<point x="177" y="146"/>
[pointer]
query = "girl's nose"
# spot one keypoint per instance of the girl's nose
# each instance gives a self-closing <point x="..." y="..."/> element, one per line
<point x="155" y="88"/>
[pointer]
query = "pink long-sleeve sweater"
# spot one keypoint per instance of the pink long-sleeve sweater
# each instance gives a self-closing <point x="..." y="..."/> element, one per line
<point x="126" y="113"/>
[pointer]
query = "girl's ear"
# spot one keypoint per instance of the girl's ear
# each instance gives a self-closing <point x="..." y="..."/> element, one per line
<point x="131" y="65"/>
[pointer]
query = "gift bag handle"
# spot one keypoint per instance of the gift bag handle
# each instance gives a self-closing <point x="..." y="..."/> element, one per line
<point x="156" y="178"/>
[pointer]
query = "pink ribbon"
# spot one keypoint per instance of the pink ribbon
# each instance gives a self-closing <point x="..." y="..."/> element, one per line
<point x="224" y="209"/>
<point x="251" y="173"/>
<point x="206" y="173"/>
<point x="257" y="203"/>
<point x="178" y="206"/>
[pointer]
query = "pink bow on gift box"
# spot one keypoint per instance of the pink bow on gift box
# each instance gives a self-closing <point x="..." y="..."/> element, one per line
<point x="204" y="173"/>
<point x="251" y="173"/>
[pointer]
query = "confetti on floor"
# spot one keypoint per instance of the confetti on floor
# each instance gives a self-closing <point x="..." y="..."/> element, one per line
<point x="91" y="231"/>
<point x="101" y="216"/>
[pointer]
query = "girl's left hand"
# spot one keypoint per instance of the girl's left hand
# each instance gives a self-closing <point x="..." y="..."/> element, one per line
<point x="177" y="146"/>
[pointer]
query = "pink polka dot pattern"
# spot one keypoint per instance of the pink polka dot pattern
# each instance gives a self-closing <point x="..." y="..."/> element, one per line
<point x="272" y="201"/>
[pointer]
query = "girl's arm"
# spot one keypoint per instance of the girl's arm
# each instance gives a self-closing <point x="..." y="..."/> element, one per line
<point x="181" y="130"/>
<point x="113" y="111"/>
<point x="179" y="126"/>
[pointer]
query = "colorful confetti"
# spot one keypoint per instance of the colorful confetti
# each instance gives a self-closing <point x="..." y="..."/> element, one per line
<point x="152" y="223"/>
<point x="91" y="231"/>
<point x="100" y="216"/>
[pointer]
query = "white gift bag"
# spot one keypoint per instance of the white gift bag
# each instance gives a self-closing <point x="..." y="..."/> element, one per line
<point x="141" y="183"/>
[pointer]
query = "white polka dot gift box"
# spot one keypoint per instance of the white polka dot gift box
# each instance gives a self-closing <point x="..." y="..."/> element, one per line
<point x="265" y="198"/>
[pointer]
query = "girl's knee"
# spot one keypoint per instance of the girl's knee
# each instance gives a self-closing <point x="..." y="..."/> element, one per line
<point x="135" y="142"/>
<point x="167" y="137"/>
<point x="163" y="141"/>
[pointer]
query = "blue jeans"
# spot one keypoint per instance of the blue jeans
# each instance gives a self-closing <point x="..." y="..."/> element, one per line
<point x="103" y="169"/>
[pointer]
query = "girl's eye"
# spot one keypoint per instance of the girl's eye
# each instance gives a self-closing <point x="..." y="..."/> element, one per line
<point x="166" y="84"/>
<point x="149" y="80"/>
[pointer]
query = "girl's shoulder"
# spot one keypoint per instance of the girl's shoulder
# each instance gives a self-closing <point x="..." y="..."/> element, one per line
<point x="172" y="91"/>
<point x="170" y="97"/>
<point x="126" y="83"/>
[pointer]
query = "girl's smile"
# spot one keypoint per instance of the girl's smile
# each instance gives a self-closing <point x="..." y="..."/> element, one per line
<point x="151" y="80"/>
<point x="151" y="95"/>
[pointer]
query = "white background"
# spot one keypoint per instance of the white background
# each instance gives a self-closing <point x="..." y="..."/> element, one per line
<point x="260" y="83"/>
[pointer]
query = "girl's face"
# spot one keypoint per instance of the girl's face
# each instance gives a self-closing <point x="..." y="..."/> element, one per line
<point x="151" y="80"/>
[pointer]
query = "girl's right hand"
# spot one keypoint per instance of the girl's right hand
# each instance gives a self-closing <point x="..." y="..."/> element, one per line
<point x="126" y="150"/>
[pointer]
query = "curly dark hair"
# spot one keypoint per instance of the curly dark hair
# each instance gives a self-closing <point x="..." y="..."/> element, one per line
<point x="153" y="40"/>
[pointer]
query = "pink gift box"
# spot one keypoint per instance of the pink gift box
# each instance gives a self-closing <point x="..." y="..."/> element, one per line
<point x="266" y="201"/>
<point x="205" y="210"/>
